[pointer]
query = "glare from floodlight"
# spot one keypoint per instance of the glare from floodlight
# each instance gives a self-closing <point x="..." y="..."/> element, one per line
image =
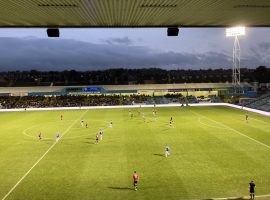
<point x="235" y="31"/>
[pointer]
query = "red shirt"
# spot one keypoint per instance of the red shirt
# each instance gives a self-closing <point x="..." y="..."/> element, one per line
<point x="96" y="137"/>
<point x="135" y="177"/>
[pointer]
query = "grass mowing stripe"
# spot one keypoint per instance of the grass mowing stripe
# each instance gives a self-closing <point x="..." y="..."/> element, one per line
<point x="204" y="164"/>
<point x="232" y="129"/>
<point x="21" y="179"/>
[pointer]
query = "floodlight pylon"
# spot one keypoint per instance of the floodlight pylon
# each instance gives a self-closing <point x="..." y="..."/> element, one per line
<point x="236" y="74"/>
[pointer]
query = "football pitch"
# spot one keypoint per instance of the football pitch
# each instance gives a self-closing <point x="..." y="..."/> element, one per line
<point x="215" y="153"/>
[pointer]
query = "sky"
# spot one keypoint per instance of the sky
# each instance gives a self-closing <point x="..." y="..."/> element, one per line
<point x="97" y="49"/>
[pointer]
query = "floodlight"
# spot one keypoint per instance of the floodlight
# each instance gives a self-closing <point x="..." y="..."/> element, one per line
<point x="235" y="31"/>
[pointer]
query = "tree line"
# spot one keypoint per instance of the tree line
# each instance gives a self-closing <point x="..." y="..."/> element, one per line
<point x="130" y="76"/>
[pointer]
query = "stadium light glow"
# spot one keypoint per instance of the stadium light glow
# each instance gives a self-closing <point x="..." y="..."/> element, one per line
<point x="235" y="31"/>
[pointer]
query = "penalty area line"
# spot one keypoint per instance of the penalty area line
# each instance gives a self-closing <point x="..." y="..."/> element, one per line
<point x="234" y="130"/>
<point x="36" y="163"/>
<point x="260" y="120"/>
<point x="238" y="198"/>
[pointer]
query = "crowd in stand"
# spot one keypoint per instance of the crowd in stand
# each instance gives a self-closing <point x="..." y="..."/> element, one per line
<point x="70" y="101"/>
<point x="90" y="100"/>
<point x="175" y="97"/>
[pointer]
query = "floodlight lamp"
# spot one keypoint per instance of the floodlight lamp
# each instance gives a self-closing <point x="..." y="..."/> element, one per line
<point x="235" y="31"/>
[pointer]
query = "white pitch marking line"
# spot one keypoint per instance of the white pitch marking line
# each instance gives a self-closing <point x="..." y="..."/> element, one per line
<point x="229" y="128"/>
<point x="260" y="120"/>
<point x="79" y="136"/>
<point x="244" y="197"/>
<point x="253" y="118"/>
<point x="199" y="119"/>
<point x="31" y="136"/>
<point x="21" y="179"/>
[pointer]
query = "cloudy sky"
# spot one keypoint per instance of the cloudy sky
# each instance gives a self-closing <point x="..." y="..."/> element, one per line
<point x="92" y="49"/>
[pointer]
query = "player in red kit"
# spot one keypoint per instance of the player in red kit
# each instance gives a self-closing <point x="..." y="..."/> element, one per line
<point x="39" y="135"/>
<point x="135" y="180"/>
<point x="97" y="138"/>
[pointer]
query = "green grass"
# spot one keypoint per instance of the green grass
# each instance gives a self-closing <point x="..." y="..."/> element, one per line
<point x="214" y="153"/>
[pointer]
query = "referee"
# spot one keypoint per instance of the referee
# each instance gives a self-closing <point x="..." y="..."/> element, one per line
<point x="252" y="189"/>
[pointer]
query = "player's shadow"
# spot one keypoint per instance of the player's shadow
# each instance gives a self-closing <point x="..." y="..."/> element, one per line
<point x="158" y="154"/>
<point x="121" y="188"/>
<point x="231" y="198"/>
<point x="166" y="129"/>
<point x="89" y="138"/>
<point x="88" y="142"/>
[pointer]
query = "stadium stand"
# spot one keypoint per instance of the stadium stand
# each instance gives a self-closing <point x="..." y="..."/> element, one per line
<point x="175" y="98"/>
<point x="192" y="99"/>
<point x="260" y="103"/>
<point x="161" y="100"/>
<point x="70" y="101"/>
<point x="214" y="99"/>
<point x="104" y="95"/>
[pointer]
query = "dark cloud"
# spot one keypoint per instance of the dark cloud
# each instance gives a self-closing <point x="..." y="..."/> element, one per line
<point x="60" y="54"/>
<point x="119" y="41"/>
<point x="264" y="46"/>
<point x="260" y="54"/>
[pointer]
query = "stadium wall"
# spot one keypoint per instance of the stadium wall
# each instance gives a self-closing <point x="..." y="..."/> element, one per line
<point x="137" y="106"/>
